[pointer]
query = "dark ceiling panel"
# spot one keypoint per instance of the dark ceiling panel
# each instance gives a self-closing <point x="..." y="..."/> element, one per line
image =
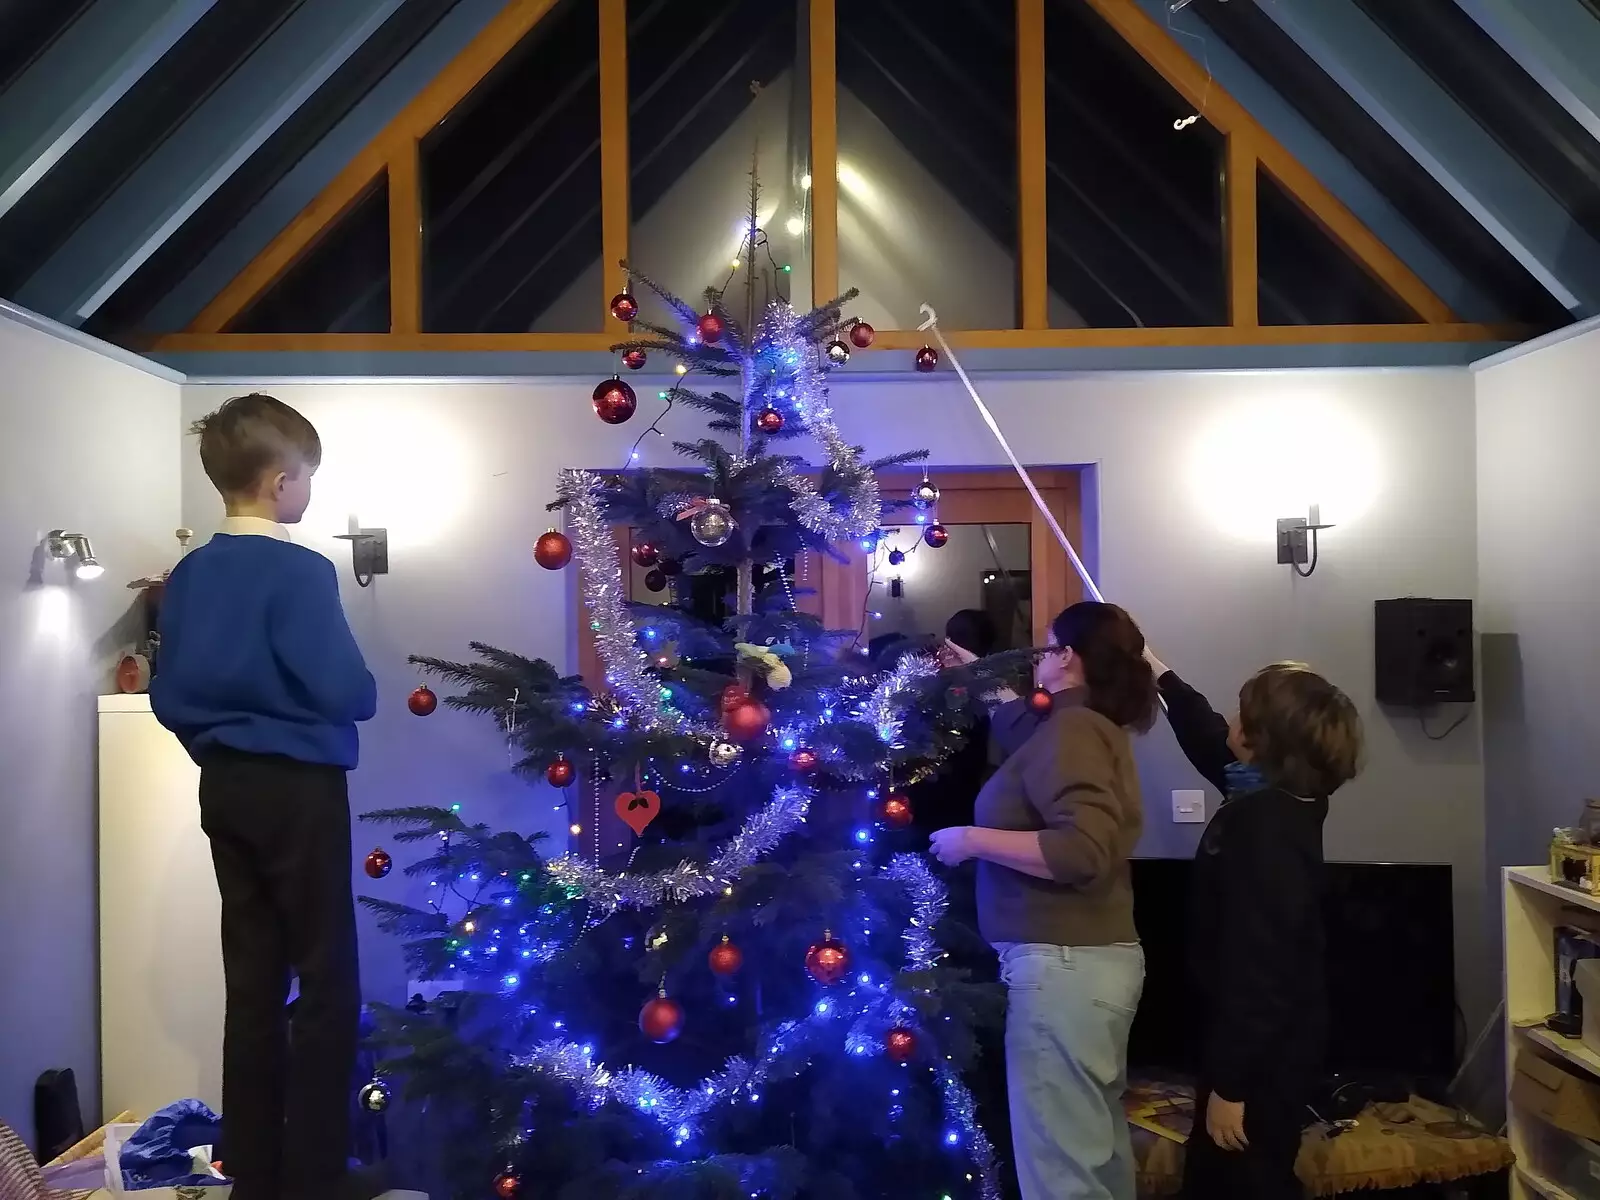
<point x="1503" y="98"/>
<point x="1418" y="197"/>
<point x="134" y="127"/>
<point x="27" y="27"/>
<point x="123" y="315"/>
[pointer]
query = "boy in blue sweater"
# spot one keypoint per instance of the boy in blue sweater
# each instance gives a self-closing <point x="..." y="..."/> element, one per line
<point x="263" y="683"/>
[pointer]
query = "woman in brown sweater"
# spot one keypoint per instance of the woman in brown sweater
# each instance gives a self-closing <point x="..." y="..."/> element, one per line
<point x="1055" y="827"/>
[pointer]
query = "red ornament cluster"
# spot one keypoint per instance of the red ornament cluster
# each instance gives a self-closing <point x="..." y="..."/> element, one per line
<point x="422" y="702"/>
<point x="614" y="401"/>
<point x="553" y="550"/>
<point x="378" y="864"/>
<point x="827" y="961"/>
<point x="661" y="1019"/>
<point x="725" y="958"/>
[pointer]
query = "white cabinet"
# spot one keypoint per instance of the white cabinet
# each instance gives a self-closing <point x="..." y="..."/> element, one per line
<point x="161" y="997"/>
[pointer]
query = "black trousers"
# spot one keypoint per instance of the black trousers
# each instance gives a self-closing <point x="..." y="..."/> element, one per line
<point x="1272" y="1125"/>
<point x="280" y="840"/>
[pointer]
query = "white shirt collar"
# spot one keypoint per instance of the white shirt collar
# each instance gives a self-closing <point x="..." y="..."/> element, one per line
<point x="256" y="526"/>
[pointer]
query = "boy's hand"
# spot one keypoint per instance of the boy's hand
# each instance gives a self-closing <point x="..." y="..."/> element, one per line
<point x="1156" y="665"/>
<point x="952" y="846"/>
<point x="952" y="655"/>
<point x="1224" y="1121"/>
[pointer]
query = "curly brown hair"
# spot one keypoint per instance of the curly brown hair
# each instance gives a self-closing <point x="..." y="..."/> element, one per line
<point x="1303" y="733"/>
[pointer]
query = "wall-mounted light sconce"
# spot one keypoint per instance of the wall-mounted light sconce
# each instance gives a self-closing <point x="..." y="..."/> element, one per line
<point x="67" y="546"/>
<point x="1297" y="541"/>
<point x="369" y="551"/>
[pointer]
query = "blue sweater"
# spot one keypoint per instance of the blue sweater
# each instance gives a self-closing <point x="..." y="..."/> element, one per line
<point x="256" y="654"/>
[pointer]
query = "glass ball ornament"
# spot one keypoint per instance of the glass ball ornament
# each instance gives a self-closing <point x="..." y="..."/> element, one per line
<point x="804" y="760"/>
<point x="900" y="1044"/>
<point x="655" y="580"/>
<point x="827" y="961"/>
<point x="769" y="420"/>
<point x="623" y="306"/>
<point x="895" y="811"/>
<point x="838" y="353"/>
<point x="560" y="773"/>
<point x="422" y="701"/>
<point x="936" y="535"/>
<point x="374" y="1097"/>
<point x="725" y="958"/>
<point x="661" y="1019"/>
<point x="508" y="1185"/>
<point x="378" y="864"/>
<point x="645" y="554"/>
<point x="553" y="550"/>
<point x="897" y="558"/>
<point x="747" y="721"/>
<point x="927" y="358"/>
<point x="634" y="359"/>
<point x="1041" y="701"/>
<point x="862" y="334"/>
<point x="724" y="754"/>
<point x="614" y="401"/>
<point x="670" y="567"/>
<point x="925" y="494"/>
<point x="712" y="525"/>
<point x="710" y="329"/>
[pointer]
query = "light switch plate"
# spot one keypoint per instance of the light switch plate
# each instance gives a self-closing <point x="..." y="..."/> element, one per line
<point x="1189" y="807"/>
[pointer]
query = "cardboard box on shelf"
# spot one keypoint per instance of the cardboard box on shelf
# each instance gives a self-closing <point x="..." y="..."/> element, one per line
<point x="1560" y="1097"/>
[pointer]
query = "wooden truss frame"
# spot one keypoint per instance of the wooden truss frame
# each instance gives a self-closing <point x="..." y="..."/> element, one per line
<point x="395" y="153"/>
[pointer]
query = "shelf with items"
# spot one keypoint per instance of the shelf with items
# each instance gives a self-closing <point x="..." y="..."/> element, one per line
<point x="1570" y="1049"/>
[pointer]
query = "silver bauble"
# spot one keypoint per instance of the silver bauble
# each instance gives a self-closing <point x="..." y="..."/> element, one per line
<point x="374" y="1097"/>
<point x="712" y="525"/>
<point x="724" y="754"/>
<point x="925" y="494"/>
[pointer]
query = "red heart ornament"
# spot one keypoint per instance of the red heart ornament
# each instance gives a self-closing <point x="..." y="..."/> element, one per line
<point x="638" y="809"/>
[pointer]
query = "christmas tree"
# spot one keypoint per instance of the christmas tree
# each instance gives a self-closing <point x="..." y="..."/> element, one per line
<point x="753" y="1001"/>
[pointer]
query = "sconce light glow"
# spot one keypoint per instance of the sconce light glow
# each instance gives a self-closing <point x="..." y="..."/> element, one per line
<point x="1264" y="460"/>
<point x="64" y="545"/>
<point x="795" y="225"/>
<point x="805" y="181"/>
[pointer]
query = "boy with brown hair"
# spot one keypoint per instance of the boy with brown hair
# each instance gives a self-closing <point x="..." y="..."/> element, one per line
<point x="263" y="683"/>
<point x="1256" y="944"/>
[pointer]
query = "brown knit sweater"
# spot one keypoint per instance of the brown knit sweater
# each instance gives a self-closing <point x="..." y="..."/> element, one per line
<point x="1074" y="780"/>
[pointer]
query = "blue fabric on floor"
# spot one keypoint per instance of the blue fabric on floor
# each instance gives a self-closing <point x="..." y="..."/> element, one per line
<point x="157" y="1155"/>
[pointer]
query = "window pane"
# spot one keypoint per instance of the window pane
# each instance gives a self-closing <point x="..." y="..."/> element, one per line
<point x="1306" y="278"/>
<point x="712" y="83"/>
<point x="928" y="161"/>
<point x="1134" y="204"/>
<point x="340" y="285"/>
<point x="511" y="190"/>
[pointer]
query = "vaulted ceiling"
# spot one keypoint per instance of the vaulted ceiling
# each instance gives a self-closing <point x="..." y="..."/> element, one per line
<point x="149" y="149"/>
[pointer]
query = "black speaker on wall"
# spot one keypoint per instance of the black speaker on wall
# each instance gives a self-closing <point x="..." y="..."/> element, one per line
<point x="1423" y="652"/>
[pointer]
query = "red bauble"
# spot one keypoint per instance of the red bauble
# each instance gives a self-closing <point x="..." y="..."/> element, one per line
<point x="560" y="772"/>
<point x="895" y="811"/>
<point x="936" y="535"/>
<point x="670" y="567"/>
<point x="805" y="761"/>
<point x="710" y="328"/>
<point x="900" y="1044"/>
<point x="655" y="580"/>
<point x="862" y="334"/>
<point x="1041" y="701"/>
<point x="661" y="1019"/>
<point x="623" y="306"/>
<point x="614" y="401"/>
<point x="508" y="1185"/>
<point x="827" y="961"/>
<point x="633" y="359"/>
<point x="645" y="554"/>
<point x="746" y="721"/>
<point x="725" y="958"/>
<point x="927" y="358"/>
<point x="553" y="550"/>
<point x="422" y="701"/>
<point x="378" y="863"/>
<point x="769" y="420"/>
<point x="734" y="695"/>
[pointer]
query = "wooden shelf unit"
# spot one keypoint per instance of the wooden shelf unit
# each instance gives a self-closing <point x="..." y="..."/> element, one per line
<point x="1533" y="908"/>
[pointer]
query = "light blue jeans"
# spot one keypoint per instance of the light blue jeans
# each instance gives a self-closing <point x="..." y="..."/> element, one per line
<point x="1067" y="1022"/>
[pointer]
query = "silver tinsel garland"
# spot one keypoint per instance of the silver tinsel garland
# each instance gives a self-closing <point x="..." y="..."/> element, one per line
<point x="760" y="834"/>
<point x="929" y="899"/>
<point x="864" y="508"/>
<point x="880" y="710"/>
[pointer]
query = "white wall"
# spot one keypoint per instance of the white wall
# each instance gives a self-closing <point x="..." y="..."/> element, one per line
<point x="1538" y="416"/>
<point x="89" y="444"/>
<point x="1192" y="470"/>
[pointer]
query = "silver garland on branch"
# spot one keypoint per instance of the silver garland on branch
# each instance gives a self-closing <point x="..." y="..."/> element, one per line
<point x="880" y="709"/>
<point x="760" y="834"/>
<point x="871" y="1008"/>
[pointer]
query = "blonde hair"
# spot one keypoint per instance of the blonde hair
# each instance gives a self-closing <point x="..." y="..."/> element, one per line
<point x="251" y="435"/>
<point x="1303" y="733"/>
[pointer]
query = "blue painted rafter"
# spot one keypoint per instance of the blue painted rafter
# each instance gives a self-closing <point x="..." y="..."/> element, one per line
<point x="1331" y="168"/>
<point x="1557" y="42"/>
<point x="76" y="81"/>
<point x="1420" y="115"/>
<point x="178" y="176"/>
<point x="307" y="178"/>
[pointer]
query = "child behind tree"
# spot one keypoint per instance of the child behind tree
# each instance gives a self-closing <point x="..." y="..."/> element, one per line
<point x="1256" y="940"/>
